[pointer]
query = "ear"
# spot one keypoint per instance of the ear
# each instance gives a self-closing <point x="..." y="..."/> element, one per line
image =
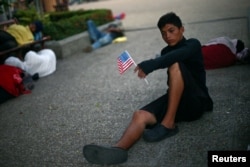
<point x="182" y="29"/>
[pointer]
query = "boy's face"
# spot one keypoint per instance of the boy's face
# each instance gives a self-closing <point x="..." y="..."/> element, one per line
<point x="172" y="34"/>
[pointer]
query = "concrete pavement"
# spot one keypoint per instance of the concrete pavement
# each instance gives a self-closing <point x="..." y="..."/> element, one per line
<point x="87" y="101"/>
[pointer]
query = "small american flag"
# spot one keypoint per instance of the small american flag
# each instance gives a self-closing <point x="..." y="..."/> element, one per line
<point x="124" y="61"/>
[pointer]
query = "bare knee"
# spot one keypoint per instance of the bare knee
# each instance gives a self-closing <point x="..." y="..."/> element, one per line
<point x="144" y="117"/>
<point x="175" y="75"/>
<point x="174" y="68"/>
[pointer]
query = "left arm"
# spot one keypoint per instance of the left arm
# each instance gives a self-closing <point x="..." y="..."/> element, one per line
<point x="186" y="51"/>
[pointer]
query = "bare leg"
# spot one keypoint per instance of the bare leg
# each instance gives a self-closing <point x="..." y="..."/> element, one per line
<point x="135" y="129"/>
<point x="176" y="87"/>
<point x="111" y="155"/>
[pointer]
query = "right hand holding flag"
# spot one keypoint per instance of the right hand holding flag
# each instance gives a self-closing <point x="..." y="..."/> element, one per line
<point x="140" y="74"/>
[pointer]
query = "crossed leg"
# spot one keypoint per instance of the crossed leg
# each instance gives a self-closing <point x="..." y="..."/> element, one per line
<point x="135" y="129"/>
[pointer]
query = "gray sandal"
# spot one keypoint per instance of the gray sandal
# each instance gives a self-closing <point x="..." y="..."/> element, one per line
<point x="104" y="155"/>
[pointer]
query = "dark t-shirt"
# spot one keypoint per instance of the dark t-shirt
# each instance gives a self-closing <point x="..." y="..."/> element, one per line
<point x="118" y="32"/>
<point x="186" y="51"/>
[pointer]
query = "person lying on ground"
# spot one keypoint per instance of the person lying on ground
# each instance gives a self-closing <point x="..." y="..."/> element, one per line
<point x="42" y="62"/>
<point x="102" y="38"/>
<point x="14" y="82"/>
<point x="186" y="98"/>
<point x="223" y="52"/>
<point x="26" y="34"/>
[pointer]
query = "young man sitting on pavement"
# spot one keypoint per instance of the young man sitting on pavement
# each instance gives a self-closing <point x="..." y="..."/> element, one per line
<point x="186" y="99"/>
<point x="102" y="38"/>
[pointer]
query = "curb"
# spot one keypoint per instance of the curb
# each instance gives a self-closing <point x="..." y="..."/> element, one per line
<point x="74" y="44"/>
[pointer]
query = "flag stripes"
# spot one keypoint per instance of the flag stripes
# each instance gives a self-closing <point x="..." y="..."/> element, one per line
<point x="124" y="61"/>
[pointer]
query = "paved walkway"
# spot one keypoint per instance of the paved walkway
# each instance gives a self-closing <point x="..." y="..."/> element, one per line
<point x="87" y="101"/>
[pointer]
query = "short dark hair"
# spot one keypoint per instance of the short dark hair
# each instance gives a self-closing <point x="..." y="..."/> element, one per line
<point x="239" y="46"/>
<point x="169" y="18"/>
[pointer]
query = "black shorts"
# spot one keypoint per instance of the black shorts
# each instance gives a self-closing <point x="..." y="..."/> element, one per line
<point x="191" y="103"/>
